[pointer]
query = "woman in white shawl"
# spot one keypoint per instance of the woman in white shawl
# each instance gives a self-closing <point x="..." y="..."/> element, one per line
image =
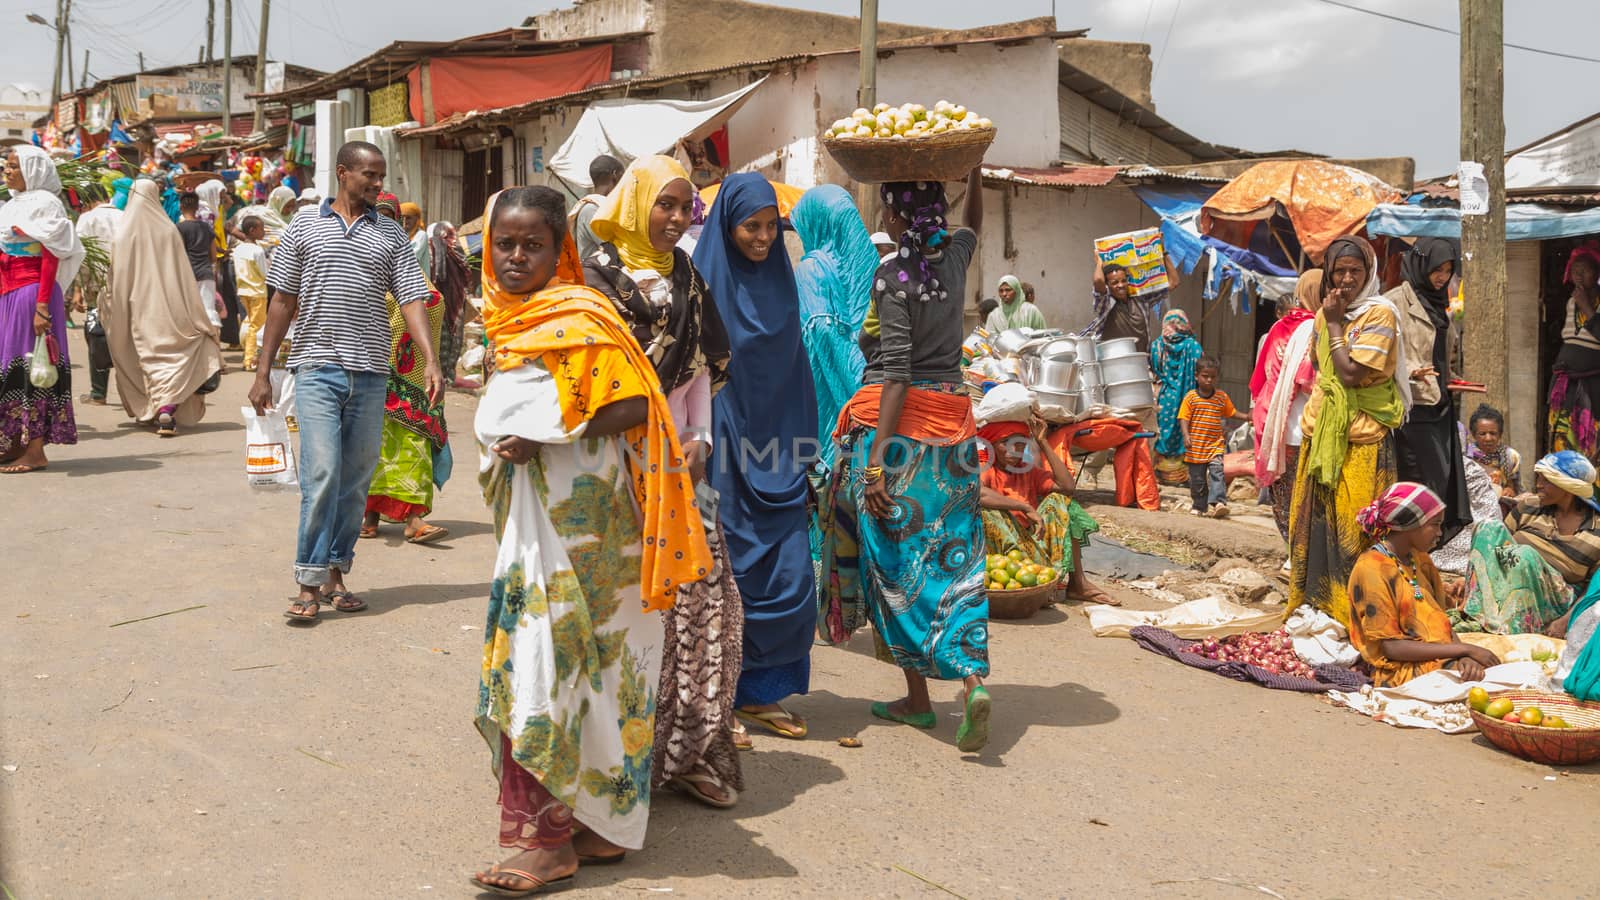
<point x="163" y="346"/>
<point x="39" y="256"/>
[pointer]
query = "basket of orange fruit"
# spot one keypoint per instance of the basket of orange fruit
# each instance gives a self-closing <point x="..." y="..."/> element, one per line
<point x="1554" y="729"/>
<point x="1018" y="588"/>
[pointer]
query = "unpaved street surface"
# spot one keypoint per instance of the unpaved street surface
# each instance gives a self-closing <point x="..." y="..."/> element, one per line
<point x="220" y="753"/>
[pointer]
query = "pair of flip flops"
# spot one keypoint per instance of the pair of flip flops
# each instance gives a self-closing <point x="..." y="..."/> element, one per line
<point x="341" y="600"/>
<point x="540" y="886"/>
<point x="972" y="736"/>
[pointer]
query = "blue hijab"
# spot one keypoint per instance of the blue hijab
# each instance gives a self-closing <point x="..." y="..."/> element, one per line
<point x="765" y="428"/>
<point x="835" y="282"/>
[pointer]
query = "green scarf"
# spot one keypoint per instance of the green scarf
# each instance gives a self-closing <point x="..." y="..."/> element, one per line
<point x="1330" y="442"/>
<point x="1019" y="313"/>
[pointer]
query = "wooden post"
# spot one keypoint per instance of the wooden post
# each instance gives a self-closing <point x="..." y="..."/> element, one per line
<point x="261" y="64"/>
<point x="211" y="30"/>
<point x="1483" y="238"/>
<point x="227" y="68"/>
<point x="85" y="82"/>
<point x="867" y="97"/>
<point x="61" y="36"/>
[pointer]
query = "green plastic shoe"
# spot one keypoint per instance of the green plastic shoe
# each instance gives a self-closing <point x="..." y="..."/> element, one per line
<point x="973" y="734"/>
<point x="925" y="721"/>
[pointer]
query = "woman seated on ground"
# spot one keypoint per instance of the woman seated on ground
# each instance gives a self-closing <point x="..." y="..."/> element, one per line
<point x="1028" y="506"/>
<point x="1524" y="572"/>
<point x="1397" y="617"/>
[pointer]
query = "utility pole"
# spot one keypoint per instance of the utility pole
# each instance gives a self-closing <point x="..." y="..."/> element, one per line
<point x="66" y="16"/>
<point x="227" y="67"/>
<point x="61" y="36"/>
<point x="141" y="60"/>
<point x="867" y="95"/>
<point x="85" y="82"/>
<point x="261" y="64"/>
<point x="211" y="30"/>
<point x="1483" y="238"/>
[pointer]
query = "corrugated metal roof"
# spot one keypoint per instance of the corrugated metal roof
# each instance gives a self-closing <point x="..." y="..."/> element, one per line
<point x="1446" y="190"/>
<point x="1059" y="177"/>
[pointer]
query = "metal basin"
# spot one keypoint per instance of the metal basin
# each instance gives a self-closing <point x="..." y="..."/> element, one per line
<point x="1125" y="367"/>
<point x="1117" y="347"/>
<point x="1087" y="376"/>
<point x="1012" y="340"/>
<point x="1064" y="349"/>
<point x="1087" y="349"/>
<point x="1134" y="394"/>
<point x="1065" y="402"/>
<point x="1054" y="375"/>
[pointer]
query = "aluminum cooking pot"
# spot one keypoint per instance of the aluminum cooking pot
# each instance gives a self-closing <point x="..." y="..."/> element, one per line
<point x="1118" y="347"/>
<point x="1087" y="376"/>
<point x="1055" y="375"/>
<point x="1012" y="340"/>
<point x="1127" y="367"/>
<point x="1087" y="351"/>
<point x="1135" y="394"/>
<point x="1064" y="349"/>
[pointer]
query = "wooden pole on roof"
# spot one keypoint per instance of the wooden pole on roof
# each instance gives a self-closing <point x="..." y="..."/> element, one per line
<point x="1483" y="238"/>
<point x="227" y="67"/>
<point x="261" y="63"/>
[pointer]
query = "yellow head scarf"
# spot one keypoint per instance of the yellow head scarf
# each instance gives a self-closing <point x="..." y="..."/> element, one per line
<point x="623" y="220"/>
<point x="581" y="339"/>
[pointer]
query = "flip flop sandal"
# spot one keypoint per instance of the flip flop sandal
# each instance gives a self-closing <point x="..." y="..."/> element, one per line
<point x="973" y="734"/>
<point x="428" y="535"/>
<point x="345" y="602"/>
<point x="540" y="886"/>
<point x="926" y="721"/>
<point x="590" y="859"/>
<point x="685" y="784"/>
<point x="368" y="532"/>
<point x="769" y="720"/>
<point x="741" y="738"/>
<point x="314" y="605"/>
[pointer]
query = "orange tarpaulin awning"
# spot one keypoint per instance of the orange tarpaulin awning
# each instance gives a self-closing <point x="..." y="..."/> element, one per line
<point x="788" y="196"/>
<point x="491" y="82"/>
<point x="1322" y="200"/>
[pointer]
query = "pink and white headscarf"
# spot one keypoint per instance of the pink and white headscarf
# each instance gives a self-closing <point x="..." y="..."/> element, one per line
<point x="1405" y="506"/>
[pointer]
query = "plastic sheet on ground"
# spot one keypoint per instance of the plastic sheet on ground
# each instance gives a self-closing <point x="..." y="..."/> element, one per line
<point x="1167" y="644"/>
<point x="1206" y="617"/>
<point x="1438" y="700"/>
<point x="1103" y="556"/>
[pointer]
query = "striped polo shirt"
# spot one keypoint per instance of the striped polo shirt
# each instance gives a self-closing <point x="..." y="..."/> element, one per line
<point x="342" y="276"/>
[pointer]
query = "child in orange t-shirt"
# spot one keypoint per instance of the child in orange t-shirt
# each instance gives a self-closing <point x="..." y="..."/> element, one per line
<point x="1203" y="416"/>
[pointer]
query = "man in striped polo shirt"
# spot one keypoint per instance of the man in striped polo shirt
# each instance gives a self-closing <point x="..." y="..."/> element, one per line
<point x="332" y="271"/>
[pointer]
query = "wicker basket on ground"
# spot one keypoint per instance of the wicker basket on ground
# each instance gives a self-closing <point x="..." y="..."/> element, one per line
<point x="937" y="157"/>
<point x="1023" y="603"/>
<point x="1552" y="746"/>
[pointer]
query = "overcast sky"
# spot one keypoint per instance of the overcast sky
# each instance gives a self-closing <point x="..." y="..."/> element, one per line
<point x="1259" y="74"/>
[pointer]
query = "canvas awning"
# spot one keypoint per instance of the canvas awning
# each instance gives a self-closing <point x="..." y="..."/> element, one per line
<point x="1321" y="200"/>
<point x="1524" y="221"/>
<point x="629" y="129"/>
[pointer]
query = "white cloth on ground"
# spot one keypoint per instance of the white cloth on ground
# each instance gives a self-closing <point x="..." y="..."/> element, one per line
<point x="1437" y="700"/>
<point x="1319" y="638"/>
<point x="1206" y="617"/>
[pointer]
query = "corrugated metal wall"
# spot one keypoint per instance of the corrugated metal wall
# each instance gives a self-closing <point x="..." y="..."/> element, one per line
<point x="1090" y="133"/>
<point x="442" y="170"/>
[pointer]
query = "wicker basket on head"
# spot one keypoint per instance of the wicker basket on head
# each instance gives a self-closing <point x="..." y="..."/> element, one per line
<point x="1022" y="603"/>
<point x="935" y="157"/>
<point x="1552" y="746"/>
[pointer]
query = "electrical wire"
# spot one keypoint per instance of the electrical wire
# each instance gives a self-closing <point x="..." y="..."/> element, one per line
<point x="1167" y="41"/>
<point x="1442" y="30"/>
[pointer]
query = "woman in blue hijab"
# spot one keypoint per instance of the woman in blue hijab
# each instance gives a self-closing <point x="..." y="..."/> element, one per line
<point x="764" y="438"/>
<point x="835" y="282"/>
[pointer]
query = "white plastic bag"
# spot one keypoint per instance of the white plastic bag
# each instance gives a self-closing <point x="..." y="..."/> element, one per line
<point x="42" y="373"/>
<point x="268" y="455"/>
<point x="1009" y="402"/>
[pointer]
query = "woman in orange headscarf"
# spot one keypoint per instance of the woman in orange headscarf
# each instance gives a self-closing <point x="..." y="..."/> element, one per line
<point x="597" y="529"/>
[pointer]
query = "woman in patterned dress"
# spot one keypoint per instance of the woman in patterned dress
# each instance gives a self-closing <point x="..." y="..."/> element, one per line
<point x="661" y="296"/>
<point x="597" y="530"/>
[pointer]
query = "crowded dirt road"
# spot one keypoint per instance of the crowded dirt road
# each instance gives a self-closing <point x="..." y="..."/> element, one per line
<point x="218" y="752"/>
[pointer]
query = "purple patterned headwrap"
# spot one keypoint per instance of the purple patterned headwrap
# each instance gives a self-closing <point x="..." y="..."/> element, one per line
<point x="923" y="204"/>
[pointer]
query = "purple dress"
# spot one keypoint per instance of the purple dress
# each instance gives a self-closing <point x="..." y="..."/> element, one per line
<point x="27" y="412"/>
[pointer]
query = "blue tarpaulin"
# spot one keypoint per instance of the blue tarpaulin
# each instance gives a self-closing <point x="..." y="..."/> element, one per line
<point x="1524" y="221"/>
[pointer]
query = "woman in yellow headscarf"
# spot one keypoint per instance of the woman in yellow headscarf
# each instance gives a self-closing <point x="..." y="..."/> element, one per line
<point x="664" y="301"/>
<point x="597" y="530"/>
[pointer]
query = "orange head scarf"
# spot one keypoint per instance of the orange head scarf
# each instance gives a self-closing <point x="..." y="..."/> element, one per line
<point x="579" y="337"/>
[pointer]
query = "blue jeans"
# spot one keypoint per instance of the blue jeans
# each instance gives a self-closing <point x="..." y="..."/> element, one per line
<point x="1206" y="485"/>
<point x="340" y="413"/>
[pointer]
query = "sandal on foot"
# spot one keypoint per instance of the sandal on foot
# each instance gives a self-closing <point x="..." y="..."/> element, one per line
<point x="741" y="738"/>
<point x="344" y="601"/>
<point x="368" y="532"/>
<point x="973" y="734"/>
<point x="769" y="721"/>
<point x="166" y="426"/>
<point x="925" y="721"/>
<point x="540" y="886"/>
<point x="427" y="535"/>
<point x="688" y="784"/>
<point x="314" y="607"/>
